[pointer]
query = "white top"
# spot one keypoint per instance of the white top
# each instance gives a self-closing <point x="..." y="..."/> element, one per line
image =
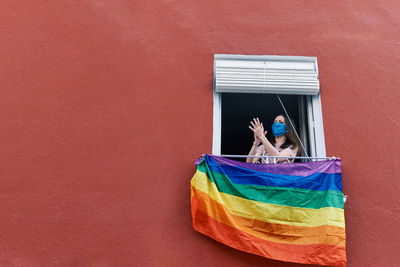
<point x="261" y="151"/>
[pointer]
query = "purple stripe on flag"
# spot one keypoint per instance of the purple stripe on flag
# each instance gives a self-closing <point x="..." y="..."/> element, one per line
<point x="297" y="169"/>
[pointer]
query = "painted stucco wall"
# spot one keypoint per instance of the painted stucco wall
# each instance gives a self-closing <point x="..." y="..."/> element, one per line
<point x="105" y="105"/>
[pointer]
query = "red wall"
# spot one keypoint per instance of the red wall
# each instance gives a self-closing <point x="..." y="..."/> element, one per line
<point x="105" y="105"/>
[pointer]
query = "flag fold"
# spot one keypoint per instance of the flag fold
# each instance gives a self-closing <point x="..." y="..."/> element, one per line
<point x="290" y="212"/>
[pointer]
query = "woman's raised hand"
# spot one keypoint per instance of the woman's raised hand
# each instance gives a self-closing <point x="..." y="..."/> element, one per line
<point x="258" y="129"/>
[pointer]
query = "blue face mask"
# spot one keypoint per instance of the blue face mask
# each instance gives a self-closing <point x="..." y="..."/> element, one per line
<point x="278" y="129"/>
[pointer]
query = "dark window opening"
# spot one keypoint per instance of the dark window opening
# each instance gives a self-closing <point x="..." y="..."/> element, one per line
<point x="238" y="110"/>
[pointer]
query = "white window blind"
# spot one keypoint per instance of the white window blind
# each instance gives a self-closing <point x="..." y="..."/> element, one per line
<point x="266" y="74"/>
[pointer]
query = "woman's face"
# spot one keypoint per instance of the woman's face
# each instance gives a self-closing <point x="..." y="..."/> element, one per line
<point x="280" y="119"/>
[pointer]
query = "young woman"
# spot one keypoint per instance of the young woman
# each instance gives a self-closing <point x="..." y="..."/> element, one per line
<point x="284" y="143"/>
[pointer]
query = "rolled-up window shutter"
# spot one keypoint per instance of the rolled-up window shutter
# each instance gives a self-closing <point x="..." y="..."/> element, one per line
<point x="266" y="74"/>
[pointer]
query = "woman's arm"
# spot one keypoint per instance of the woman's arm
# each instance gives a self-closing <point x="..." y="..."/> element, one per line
<point x="288" y="152"/>
<point x="253" y="152"/>
<point x="284" y="153"/>
<point x="269" y="147"/>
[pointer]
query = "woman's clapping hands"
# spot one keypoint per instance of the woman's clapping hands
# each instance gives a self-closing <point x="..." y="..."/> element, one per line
<point x="258" y="129"/>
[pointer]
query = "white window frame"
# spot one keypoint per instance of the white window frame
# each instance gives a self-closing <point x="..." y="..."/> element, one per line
<point x="315" y="124"/>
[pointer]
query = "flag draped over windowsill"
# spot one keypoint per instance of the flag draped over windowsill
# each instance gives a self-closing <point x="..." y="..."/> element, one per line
<point x="290" y="212"/>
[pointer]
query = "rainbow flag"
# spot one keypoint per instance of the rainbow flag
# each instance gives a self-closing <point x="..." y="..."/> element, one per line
<point x="289" y="212"/>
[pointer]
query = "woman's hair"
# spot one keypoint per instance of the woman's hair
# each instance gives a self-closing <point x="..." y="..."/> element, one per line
<point x="291" y="139"/>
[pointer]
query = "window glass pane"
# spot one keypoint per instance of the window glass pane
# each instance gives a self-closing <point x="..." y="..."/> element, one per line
<point x="239" y="109"/>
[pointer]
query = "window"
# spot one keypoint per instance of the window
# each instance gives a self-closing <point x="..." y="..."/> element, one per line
<point x="246" y="86"/>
